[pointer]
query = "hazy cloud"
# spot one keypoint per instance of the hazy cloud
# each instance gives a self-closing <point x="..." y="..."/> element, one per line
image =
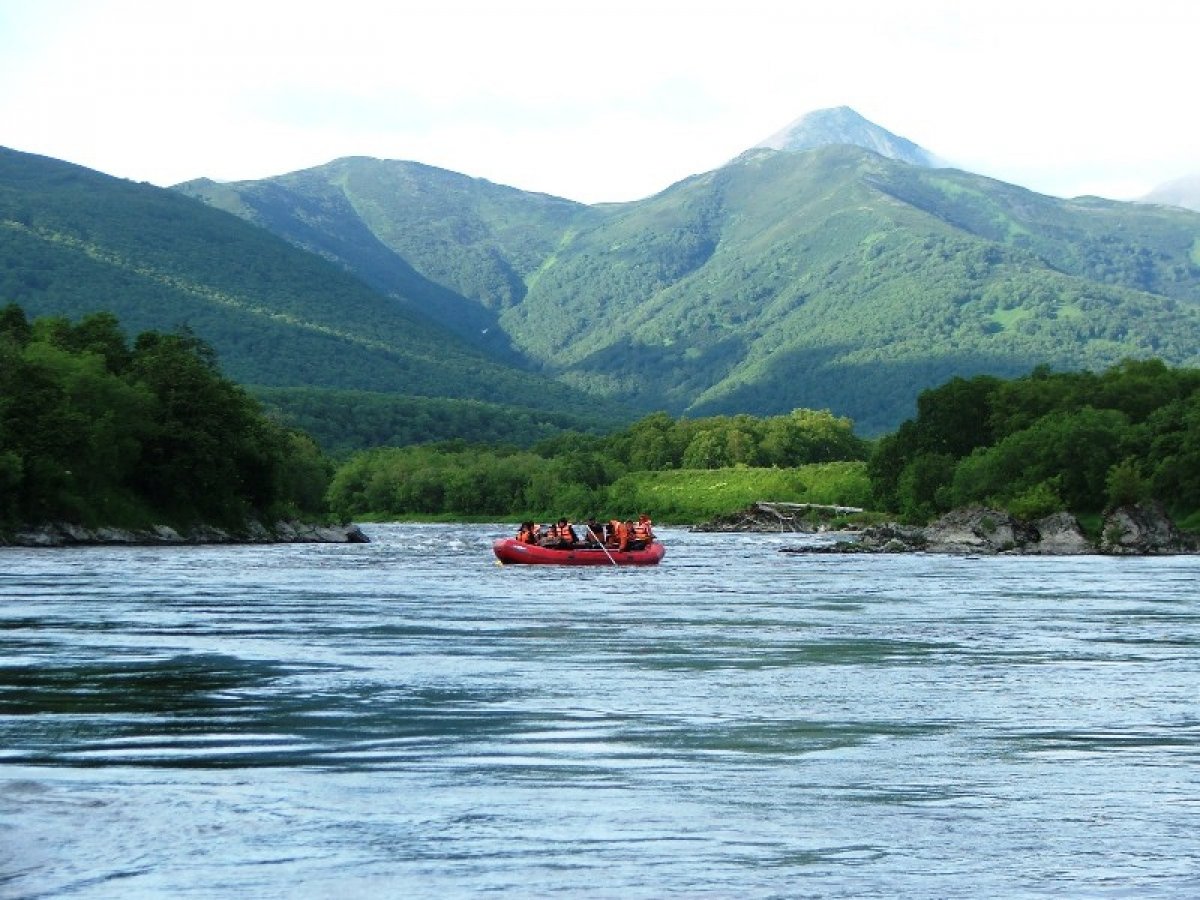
<point x="598" y="101"/>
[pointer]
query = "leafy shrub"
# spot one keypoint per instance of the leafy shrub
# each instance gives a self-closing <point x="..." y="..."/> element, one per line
<point x="1125" y="484"/>
<point x="1037" y="502"/>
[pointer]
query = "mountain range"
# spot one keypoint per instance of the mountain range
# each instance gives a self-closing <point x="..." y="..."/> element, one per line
<point x="832" y="275"/>
<point x="74" y="241"/>
<point x="834" y="266"/>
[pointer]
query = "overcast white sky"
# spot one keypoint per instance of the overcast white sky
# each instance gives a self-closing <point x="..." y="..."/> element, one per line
<point x="600" y="101"/>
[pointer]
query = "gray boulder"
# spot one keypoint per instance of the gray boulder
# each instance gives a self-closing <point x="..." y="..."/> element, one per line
<point x="977" y="529"/>
<point x="972" y="530"/>
<point x="302" y="533"/>
<point x="1059" y="534"/>
<point x="777" y="516"/>
<point x="1142" y="530"/>
<point x="888" y="538"/>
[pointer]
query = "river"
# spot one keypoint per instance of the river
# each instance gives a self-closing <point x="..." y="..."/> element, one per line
<point x="407" y="718"/>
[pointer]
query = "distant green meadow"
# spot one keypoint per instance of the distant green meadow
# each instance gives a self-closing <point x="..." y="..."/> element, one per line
<point x="694" y="496"/>
<point x="690" y="496"/>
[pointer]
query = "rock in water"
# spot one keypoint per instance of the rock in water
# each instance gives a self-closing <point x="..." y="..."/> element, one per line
<point x="1059" y="534"/>
<point x="1142" y="530"/>
<point x="978" y="530"/>
<point x="777" y="516"/>
<point x="64" y="534"/>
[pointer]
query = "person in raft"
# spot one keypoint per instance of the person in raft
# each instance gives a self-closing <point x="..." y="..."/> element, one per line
<point x="595" y="533"/>
<point x="631" y="535"/>
<point x="643" y="533"/>
<point x="555" y="536"/>
<point x="527" y="533"/>
<point x="620" y="534"/>
<point x="547" y="535"/>
<point x="567" y="537"/>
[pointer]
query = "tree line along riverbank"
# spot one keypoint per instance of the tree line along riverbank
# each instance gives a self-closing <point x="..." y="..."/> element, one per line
<point x="100" y="433"/>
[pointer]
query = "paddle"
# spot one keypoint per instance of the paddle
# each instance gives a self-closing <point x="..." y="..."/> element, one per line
<point x="596" y="538"/>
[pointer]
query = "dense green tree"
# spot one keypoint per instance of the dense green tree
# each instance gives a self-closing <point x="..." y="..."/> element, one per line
<point x="1079" y="448"/>
<point x="955" y="418"/>
<point x="809" y="436"/>
<point x="658" y="442"/>
<point x="97" y="333"/>
<point x="1038" y="501"/>
<point x="14" y="325"/>
<point x="651" y="444"/>
<point x="206" y="438"/>
<point x="1173" y="458"/>
<point x="885" y="467"/>
<point x="923" y="488"/>
<point x="952" y="420"/>
<point x="708" y="450"/>
<point x="95" y="432"/>
<point x="1141" y="387"/>
<point x="1125" y="484"/>
<point x="1048" y="441"/>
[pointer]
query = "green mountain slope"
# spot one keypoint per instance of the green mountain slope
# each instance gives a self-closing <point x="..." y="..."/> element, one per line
<point x="832" y="277"/>
<point x="837" y="278"/>
<point x="73" y="241"/>
<point x="426" y="236"/>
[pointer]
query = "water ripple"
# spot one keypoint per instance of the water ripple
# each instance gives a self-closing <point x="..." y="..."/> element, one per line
<point x="406" y="717"/>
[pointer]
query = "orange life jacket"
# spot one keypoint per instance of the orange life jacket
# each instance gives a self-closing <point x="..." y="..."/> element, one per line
<point x="614" y="531"/>
<point x="623" y="535"/>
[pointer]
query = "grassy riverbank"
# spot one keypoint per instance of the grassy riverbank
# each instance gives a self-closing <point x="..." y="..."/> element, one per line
<point x="689" y="496"/>
<point x="692" y="496"/>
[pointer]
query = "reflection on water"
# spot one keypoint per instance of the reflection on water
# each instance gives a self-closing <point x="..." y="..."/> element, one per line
<point x="407" y="717"/>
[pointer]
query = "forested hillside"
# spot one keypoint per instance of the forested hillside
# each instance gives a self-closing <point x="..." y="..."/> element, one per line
<point x="457" y="248"/>
<point x="831" y="278"/>
<point x="838" y="279"/>
<point x="74" y="242"/>
<point x="343" y="421"/>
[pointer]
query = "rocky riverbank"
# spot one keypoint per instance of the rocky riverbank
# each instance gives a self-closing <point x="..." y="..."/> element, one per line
<point x="62" y="534"/>
<point x="764" y="516"/>
<point x="1143" y="530"/>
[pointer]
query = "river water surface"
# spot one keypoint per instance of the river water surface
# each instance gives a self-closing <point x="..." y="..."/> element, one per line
<point x="408" y="719"/>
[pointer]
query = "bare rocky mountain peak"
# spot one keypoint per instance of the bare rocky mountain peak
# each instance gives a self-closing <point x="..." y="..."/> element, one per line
<point x="842" y="125"/>
<point x="1183" y="192"/>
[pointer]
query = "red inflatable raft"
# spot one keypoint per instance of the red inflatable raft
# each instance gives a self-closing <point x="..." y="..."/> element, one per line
<point x="509" y="550"/>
